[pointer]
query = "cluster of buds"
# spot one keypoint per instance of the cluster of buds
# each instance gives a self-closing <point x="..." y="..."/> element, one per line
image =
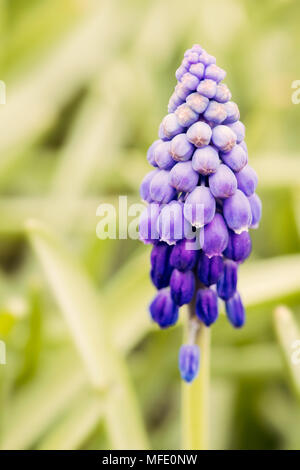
<point x="201" y="202"/>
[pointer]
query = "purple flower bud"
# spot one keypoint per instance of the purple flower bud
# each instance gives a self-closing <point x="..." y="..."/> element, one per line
<point x="181" y="91"/>
<point x="174" y="102"/>
<point x="150" y="153"/>
<point x="197" y="102"/>
<point x="182" y="257"/>
<point x="247" y="180"/>
<point x="256" y="210"/>
<point x="215" y="112"/>
<point x="236" y="159"/>
<point x="189" y="359"/>
<point x="148" y="221"/>
<point x="160" y="189"/>
<point x="199" y="134"/>
<point x="227" y="282"/>
<point x="235" y="311"/>
<point x="237" y="212"/>
<point x="185" y="115"/>
<point x="214" y="72"/>
<point x="200" y="206"/>
<point x="244" y="147"/>
<point x="223" y="138"/>
<point x="163" y="157"/>
<point x="171" y="224"/>
<point x="182" y="284"/>
<point x="183" y="177"/>
<point x="181" y="148"/>
<point x="215" y="237"/>
<point x="233" y="113"/>
<point x="209" y="269"/>
<point x="145" y="186"/>
<point x="239" y="130"/>
<point x="197" y="70"/>
<point x="180" y="72"/>
<point x="190" y="81"/>
<point x="207" y="306"/>
<point x="207" y="88"/>
<point x="222" y="93"/>
<point x="160" y="268"/>
<point x="206" y="160"/>
<point x="171" y="126"/>
<point x="192" y="57"/>
<point x="223" y="183"/>
<point x="163" y="309"/>
<point x="206" y="58"/>
<point x="239" y="246"/>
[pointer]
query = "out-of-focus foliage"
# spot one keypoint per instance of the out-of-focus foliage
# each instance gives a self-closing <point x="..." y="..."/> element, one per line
<point x="87" y="83"/>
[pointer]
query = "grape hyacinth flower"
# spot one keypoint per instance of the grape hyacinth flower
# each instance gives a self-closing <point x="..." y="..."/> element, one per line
<point x="201" y="202"/>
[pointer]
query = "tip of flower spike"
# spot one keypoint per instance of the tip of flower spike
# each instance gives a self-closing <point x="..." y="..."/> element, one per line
<point x="189" y="361"/>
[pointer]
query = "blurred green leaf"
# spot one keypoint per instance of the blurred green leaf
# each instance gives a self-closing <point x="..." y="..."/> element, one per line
<point x="288" y="335"/>
<point x="80" y="306"/>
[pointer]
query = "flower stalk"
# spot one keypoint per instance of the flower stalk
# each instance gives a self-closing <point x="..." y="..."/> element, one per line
<point x="196" y="398"/>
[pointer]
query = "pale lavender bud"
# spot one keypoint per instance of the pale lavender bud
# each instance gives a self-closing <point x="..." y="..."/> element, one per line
<point x="183" y="177"/>
<point x="200" y="207"/>
<point x="215" y="112"/>
<point x="236" y="159"/>
<point x="180" y="72"/>
<point x="239" y="130"/>
<point x="181" y="148"/>
<point x="206" y="58"/>
<point x="214" y="72"/>
<point x="256" y="210"/>
<point x="197" y="70"/>
<point x="145" y="186"/>
<point x="197" y="102"/>
<point x="199" y="134"/>
<point x="223" y="138"/>
<point x="150" y="152"/>
<point x="247" y="180"/>
<point x="233" y="113"/>
<point x="222" y="93"/>
<point x="160" y="189"/>
<point x="148" y="221"/>
<point x="171" y="224"/>
<point x="237" y="212"/>
<point x="185" y="115"/>
<point x="215" y="237"/>
<point x="190" y="81"/>
<point x="163" y="157"/>
<point x="223" y="183"/>
<point x="206" y="160"/>
<point x="174" y="102"/>
<point x="181" y="91"/>
<point x="207" y="88"/>
<point x="171" y="126"/>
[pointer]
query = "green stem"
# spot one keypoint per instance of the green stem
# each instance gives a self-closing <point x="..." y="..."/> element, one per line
<point x="195" y="400"/>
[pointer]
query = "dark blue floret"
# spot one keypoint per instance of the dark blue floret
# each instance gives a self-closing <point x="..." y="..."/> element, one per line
<point x="235" y="311"/>
<point x="226" y="285"/>
<point x="209" y="269"/>
<point x="160" y="266"/>
<point x="189" y="356"/>
<point x="163" y="309"/>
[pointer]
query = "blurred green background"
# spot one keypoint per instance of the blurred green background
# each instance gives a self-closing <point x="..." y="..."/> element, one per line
<point x="87" y="83"/>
